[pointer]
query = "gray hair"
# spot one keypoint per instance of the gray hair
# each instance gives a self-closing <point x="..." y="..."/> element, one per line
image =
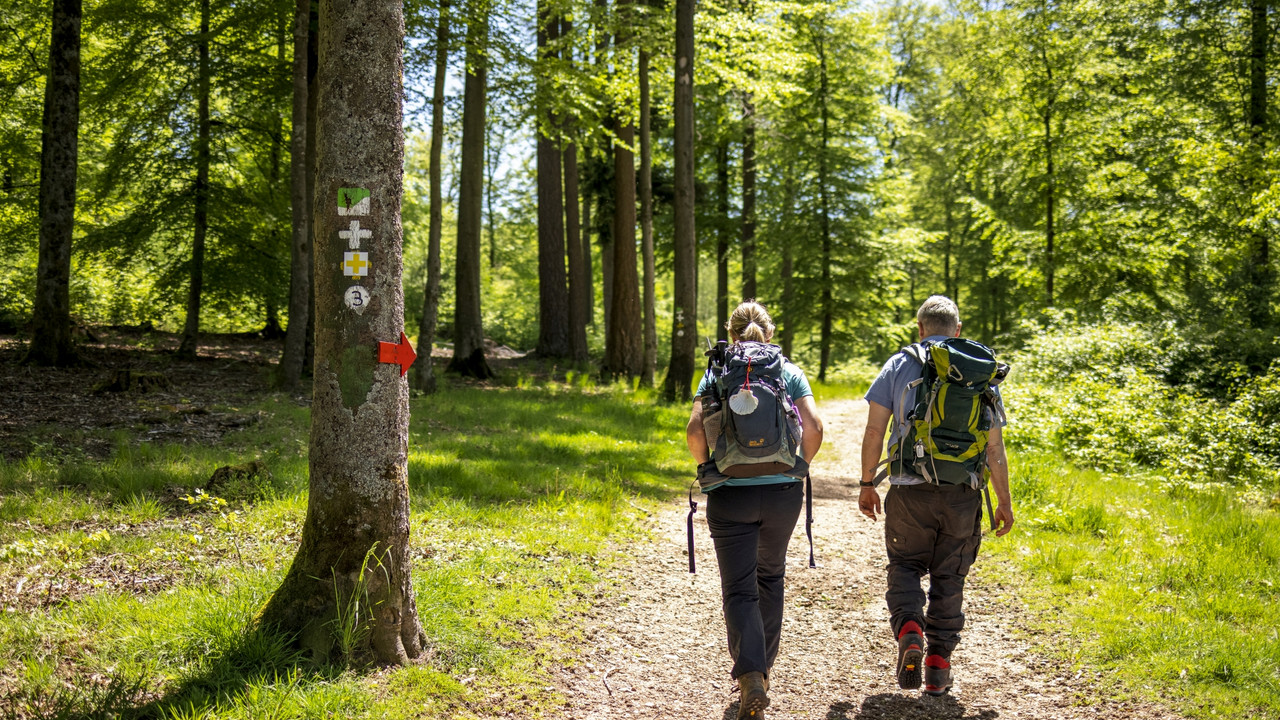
<point x="938" y="316"/>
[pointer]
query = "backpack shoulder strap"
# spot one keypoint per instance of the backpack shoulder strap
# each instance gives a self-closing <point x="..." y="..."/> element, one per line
<point x="917" y="352"/>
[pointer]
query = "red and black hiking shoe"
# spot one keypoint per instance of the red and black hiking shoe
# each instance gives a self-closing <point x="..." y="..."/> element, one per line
<point x="910" y="651"/>
<point x="937" y="675"/>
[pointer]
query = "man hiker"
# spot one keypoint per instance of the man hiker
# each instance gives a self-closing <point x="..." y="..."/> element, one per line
<point x="933" y="509"/>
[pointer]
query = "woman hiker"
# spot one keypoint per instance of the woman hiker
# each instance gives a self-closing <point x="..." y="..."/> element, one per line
<point x="751" y="521"/>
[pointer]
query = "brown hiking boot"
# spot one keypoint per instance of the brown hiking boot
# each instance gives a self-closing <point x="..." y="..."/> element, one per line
<point x="754" y="696"/>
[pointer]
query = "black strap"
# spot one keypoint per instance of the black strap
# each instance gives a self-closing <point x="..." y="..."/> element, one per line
<point x="986" y="494"/>
<point x="808" y="516"/>
<point x="693" y="508"/>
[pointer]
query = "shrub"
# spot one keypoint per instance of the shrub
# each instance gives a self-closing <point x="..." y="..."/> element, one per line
<point x="1101" y="394"/>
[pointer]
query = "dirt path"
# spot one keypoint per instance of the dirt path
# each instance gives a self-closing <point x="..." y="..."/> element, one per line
<point x="661" y="641"/>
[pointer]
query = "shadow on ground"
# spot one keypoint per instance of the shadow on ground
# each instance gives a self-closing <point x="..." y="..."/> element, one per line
<point x="892" y="706"/>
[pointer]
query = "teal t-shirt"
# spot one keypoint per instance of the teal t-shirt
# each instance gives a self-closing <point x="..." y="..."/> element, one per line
<point x="797" y="387"/>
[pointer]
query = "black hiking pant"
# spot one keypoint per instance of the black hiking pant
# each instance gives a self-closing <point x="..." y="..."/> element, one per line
<point x="751" y="527"/>
<point x="934" y="530"/>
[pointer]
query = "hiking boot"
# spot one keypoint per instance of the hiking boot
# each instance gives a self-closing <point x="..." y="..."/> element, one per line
<point x="910" y="651"/>
<point x="937" y="675"/>
<point x="754" y="696"/>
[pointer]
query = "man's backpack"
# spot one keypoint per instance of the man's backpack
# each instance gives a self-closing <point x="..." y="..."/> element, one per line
<point x="751" y="424"/>
<point x="948" y="414"/>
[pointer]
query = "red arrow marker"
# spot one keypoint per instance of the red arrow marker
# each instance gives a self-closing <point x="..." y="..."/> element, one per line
<point x="402" y="354"/>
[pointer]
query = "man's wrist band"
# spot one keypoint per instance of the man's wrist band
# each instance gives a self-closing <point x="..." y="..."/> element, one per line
<point x="866" y="483"/>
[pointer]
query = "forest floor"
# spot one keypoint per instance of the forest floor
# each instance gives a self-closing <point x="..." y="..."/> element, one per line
<point x="657" y="648"/>
<point x="192" y="401"/>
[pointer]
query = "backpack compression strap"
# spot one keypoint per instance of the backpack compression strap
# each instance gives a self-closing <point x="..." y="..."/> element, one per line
<point x="693" y="508"/>
<point x="808" y="516"/>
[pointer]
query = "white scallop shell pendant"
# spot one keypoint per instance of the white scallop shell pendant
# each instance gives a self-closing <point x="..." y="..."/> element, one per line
<point x="743" y="402"/>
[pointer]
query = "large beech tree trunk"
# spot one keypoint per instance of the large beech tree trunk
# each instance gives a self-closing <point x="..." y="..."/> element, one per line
<point x="553" y="291"/>
<point x="59" y="157"/>
<point x="684" y="323"/>
<point x="468" y="329"/>
<point x="295" y="340"/>
<point x="649" y="368"/>
<point x="355" y="541"/>
<point x="424" y="373"/>
<point x="195" y="288"/>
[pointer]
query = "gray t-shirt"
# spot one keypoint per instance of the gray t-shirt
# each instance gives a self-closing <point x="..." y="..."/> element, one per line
<point x="890" y="390"/>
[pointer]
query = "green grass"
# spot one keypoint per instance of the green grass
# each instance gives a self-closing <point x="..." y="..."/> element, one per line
<point x="138" y="603"/>
<point x="1175" y="591"/>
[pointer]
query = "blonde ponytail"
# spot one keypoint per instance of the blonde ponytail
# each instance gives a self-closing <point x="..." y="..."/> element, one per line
<point x="750" y="322"/>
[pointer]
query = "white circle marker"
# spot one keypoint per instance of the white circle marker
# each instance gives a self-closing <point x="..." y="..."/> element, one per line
<point x="357" y="298"/>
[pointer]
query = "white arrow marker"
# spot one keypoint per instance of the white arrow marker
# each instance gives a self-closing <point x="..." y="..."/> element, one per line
<point x="354" y="235"/>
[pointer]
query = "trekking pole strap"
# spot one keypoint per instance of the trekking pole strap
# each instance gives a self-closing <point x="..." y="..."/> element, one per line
<point x="693" y="508"/>
<point x="808" y="516"/>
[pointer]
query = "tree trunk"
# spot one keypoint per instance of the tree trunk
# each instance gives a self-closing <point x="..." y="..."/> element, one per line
<point x="684" y="325"/>
<point x="788" y="302"/>
<point x="553" y="292"/>
<point x="492" y="156"/>
<point x="187" y="349"/>
<point x="355" y="541"/>
<point x="579" y="305"/>
<point x="946" y="250"/>
<point x="605" y="222"/>
<point x="649" y="367"/>
<point x="1262" y="280"/>
<point x="424" y="374"/>
<point x="588" y="267"/>
<point x="1049" y="185"/>
<point x="722" y="240"/>
<point x="295" y="341"/>
<point x="59" y="157"/>
<point x="624" y="345"/>
<point x="1048" y="211"/>
<point x="579" y="279"/>
<point x="313" y="123"/>
<point x="468" y="331"/>
<point x="748" y="197"/>
<point x="825" y="192"/>
<point x="788" y="309"/>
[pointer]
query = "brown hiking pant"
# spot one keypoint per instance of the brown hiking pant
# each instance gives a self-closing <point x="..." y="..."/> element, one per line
<point x="935" y="530"/>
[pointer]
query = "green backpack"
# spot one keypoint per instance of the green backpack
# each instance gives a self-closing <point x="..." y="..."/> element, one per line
<point x="947" y="423"/>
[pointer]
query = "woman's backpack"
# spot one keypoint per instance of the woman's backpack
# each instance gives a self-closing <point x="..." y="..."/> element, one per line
<point x="751" y="424"/>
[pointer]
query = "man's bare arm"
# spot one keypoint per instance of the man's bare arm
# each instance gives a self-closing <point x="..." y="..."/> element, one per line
<point x="872" y="447"/>
<point x="999" y="464"/>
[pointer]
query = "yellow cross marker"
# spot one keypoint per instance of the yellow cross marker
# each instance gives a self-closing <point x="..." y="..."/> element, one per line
<point x="355" y="264"/>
